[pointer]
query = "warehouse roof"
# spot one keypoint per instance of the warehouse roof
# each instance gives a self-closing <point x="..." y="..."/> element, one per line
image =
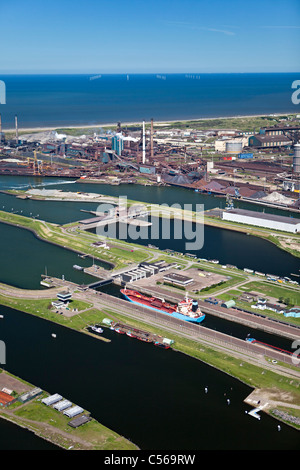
<point x="92" y="220"/>
<point x="265" y="216"/>
<point x="273" y="138"/>
<point x="281" y="128"/>
<point x="178" y="278"/>
<point x="5" y="398"/>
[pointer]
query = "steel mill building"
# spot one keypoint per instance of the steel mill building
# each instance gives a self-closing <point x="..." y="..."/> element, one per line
<point x="260" y="219"/>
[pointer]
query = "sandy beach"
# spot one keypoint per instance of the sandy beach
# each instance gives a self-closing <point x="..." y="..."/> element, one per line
<point x="156" y="123"/>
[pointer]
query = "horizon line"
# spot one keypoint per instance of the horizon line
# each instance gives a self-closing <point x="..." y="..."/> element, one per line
<point x="143" y="73"/>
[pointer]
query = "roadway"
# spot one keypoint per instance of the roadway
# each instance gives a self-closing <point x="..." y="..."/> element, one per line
<point x="214" y="339"/>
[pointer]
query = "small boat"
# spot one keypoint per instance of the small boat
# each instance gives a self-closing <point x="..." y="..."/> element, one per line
<point x="96" y="329"/>
<point x="161" y="345"/>
<point x="129" y="333"/>
<point x="77" y="267"/>
<point x="118" y="330"/>
<point x="142" y="338"/>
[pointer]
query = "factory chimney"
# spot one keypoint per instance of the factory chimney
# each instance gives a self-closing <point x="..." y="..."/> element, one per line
<point x="138" y="153"/>
<point x="16" y="124"/>
<point x="144" y="144"/>
<point x="151" y="140"/>
<point x="296" y="159"/>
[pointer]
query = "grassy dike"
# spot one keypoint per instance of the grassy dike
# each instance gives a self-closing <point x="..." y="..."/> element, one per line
<point x="264" y="377"/>
<point x="243" y="123"/>
<point x="52" y="425"/>
<point x="47" y="422"/>
<point x="276" y="237"/>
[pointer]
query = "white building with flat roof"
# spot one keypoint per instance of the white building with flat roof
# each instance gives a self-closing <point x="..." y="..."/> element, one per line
<point x="261" y="219"/>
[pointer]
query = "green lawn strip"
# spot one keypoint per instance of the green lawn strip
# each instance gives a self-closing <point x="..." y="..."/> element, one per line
<point x="286" y="415"/>
<point x="241" y="123"/>
<point x="275" y="291"/>
<point x="40" y="308"/>
<point x="234" y="295"/>
<point x="230" y="295"/>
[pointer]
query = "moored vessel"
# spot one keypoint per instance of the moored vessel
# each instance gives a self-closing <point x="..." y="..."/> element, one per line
<point x="187" y="309"/>
<point x="96" y="329"/>
<point x="161" y="345"/>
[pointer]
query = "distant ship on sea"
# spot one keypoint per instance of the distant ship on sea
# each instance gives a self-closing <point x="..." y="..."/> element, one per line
<point x="73" y="100"/>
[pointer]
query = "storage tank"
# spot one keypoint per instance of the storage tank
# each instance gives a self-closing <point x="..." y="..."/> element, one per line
<point x="234" y="147"/>
<point x="296" y="159"/>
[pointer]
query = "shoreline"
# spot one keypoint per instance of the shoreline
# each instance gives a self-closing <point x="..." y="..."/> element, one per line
<point x="131" y="123"/>
<point x="58" y="434"/>
<point x="260" y="232"/>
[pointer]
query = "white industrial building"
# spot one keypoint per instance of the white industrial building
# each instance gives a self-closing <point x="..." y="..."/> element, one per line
<point x="62" y="405"/>
<point x="52" y="399"/>
<point x="221" y="145"/>
<point x="74" y="411"/>
<point x="260" y="219"/>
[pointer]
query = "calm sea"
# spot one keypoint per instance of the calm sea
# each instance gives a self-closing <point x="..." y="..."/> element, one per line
<point x="62" y="100"/>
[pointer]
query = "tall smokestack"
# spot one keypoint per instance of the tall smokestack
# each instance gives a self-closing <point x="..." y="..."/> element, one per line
<point x="16" y="123"/>
<point x="144" y="144"/>
<point x="151" y="140"/>
<point x="137" y="153"/>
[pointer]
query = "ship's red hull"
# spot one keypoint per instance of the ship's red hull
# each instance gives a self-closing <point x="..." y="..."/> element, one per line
<point x="152" y="302"/>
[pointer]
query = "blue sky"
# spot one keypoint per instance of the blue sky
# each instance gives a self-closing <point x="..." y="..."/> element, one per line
<point x="130" y="36"/>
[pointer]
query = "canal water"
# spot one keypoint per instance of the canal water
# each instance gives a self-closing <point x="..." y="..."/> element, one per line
<point x="149" y="194"/>
<point x="229" y="247"/>
<point x="226" y="246"/>
<point x="33" y="257"/>
<point x="154" y="397"/>
<point x="24" y="258"/>
<point x="13" y="437"/>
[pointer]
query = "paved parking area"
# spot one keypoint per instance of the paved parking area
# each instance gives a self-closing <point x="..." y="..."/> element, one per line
<point x="11" y="383"/>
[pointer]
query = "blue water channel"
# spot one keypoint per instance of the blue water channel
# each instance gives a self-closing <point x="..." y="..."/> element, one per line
<point x="154" y="397"/>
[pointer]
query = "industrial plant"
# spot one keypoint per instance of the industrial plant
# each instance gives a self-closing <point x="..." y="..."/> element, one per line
<point x="261" y="166"/>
